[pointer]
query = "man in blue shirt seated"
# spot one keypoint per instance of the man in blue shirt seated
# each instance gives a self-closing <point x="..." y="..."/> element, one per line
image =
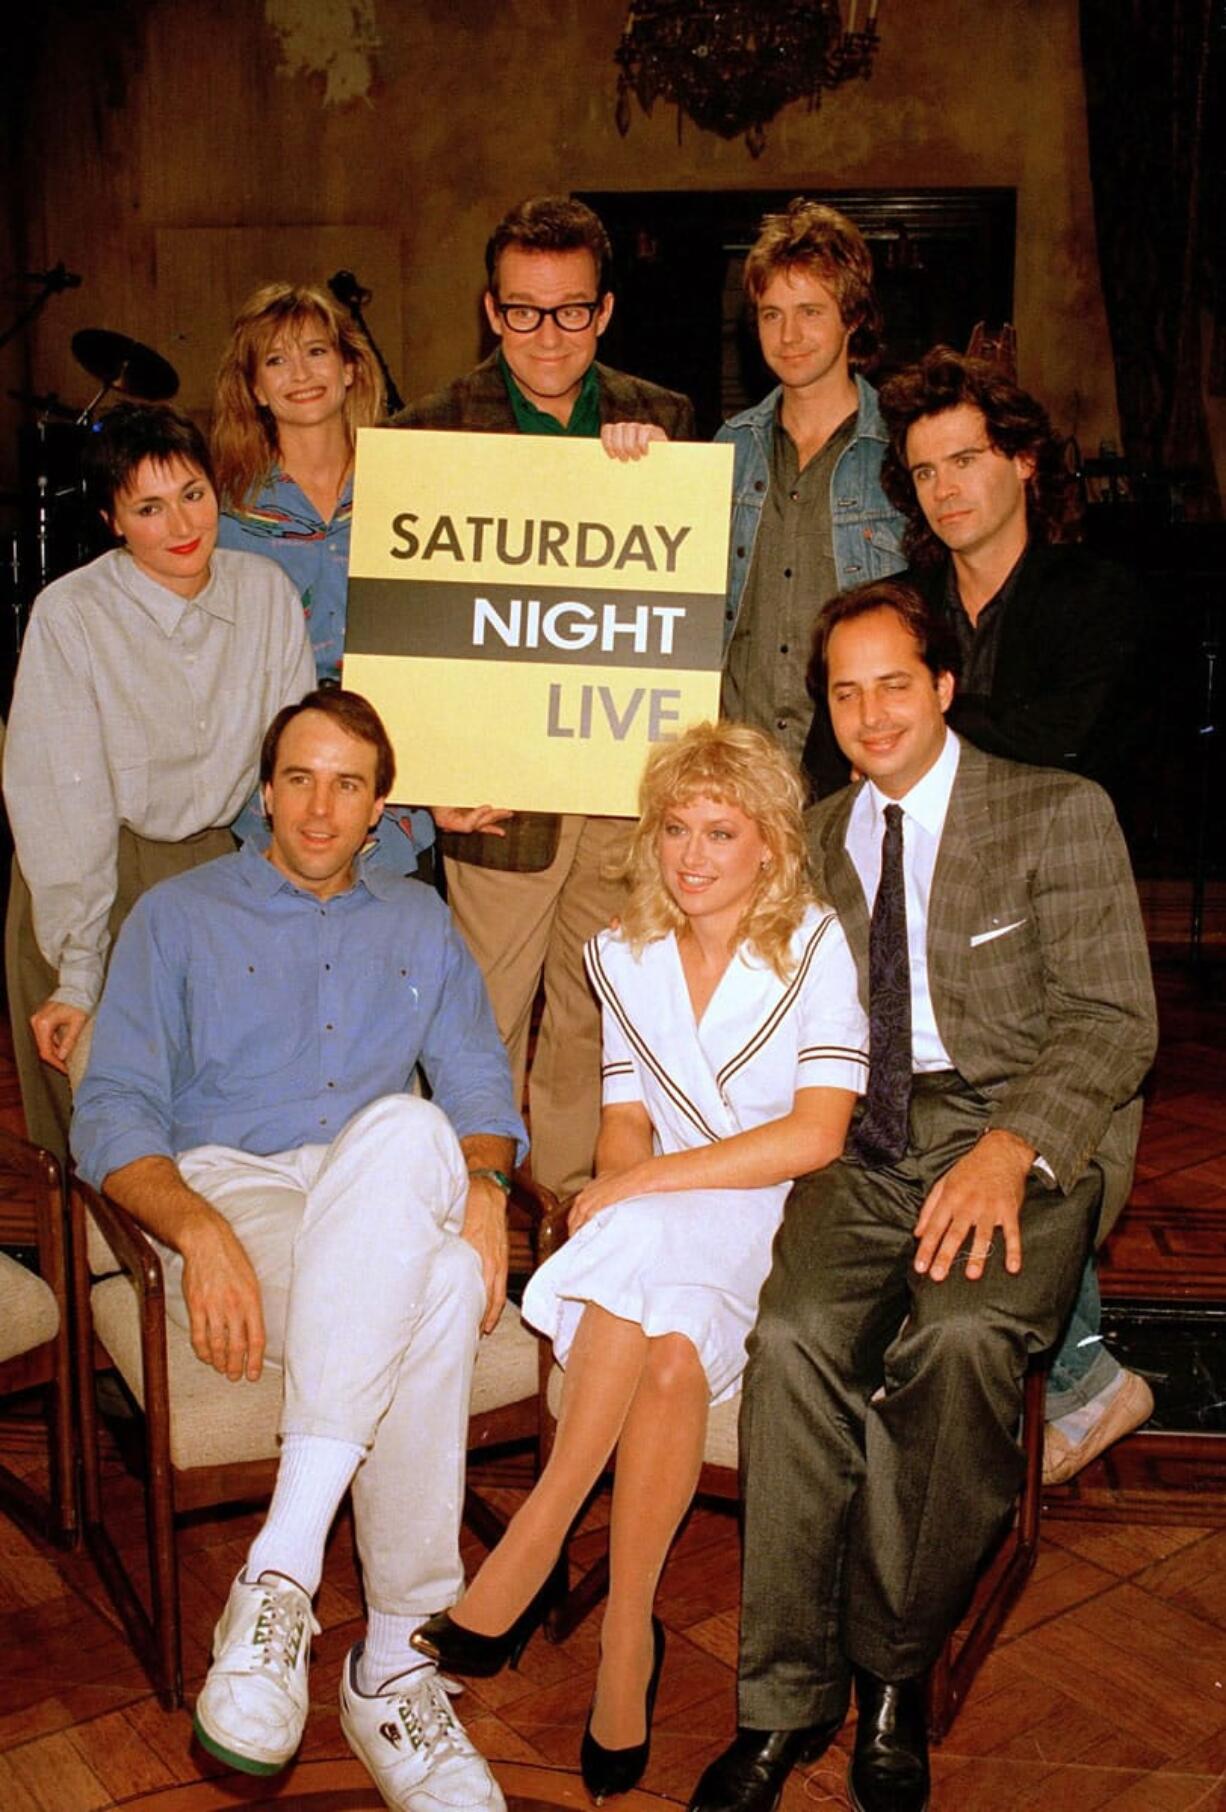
<point x="246" y="1101"/>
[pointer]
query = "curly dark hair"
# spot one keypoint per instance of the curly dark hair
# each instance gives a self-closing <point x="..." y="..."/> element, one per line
<point x="1017" y="424"/>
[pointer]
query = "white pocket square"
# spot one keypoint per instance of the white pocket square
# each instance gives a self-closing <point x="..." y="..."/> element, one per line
<point x="985" y="937"/>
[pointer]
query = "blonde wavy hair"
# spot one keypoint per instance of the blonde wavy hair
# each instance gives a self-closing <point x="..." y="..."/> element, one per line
<point x="737" y="766"/>
<point x="244" y="435"/>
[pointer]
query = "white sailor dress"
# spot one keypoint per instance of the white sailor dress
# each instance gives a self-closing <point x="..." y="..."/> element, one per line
<point x="693" y="1261"/>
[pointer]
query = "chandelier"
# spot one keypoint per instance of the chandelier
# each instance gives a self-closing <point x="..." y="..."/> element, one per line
<point x="732" y="64"/>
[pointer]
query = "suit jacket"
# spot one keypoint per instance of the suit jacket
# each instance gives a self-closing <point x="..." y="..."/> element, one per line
<point x="1064" y="688"/>
<point x="479" y="404"/>
<point x="1037" y="959"/>
<point x="1065" y="680"/>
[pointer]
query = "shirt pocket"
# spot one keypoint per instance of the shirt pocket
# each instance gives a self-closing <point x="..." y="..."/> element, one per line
<point x="882" y="539"/>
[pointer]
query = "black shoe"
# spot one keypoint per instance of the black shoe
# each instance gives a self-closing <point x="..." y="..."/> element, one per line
<point x="609" y="1771"/>
<point x="889" y="1769"/>
<point x="749" y="1775"/>
<point x="463" y="1651"/>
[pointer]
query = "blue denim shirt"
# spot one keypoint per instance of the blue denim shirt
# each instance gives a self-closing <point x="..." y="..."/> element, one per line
<point x="867" y="527"/>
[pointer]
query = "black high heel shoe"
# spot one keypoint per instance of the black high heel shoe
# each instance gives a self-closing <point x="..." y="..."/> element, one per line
<point x="609" y="1771"/>
<point x="462" y="1651"/>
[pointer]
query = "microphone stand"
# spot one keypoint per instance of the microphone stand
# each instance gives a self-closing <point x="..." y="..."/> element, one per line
<point x="350" y="294"/>
<point x="52" y="283"/>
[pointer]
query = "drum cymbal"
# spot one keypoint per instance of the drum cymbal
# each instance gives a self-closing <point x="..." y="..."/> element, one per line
<point x="124" y="365"/>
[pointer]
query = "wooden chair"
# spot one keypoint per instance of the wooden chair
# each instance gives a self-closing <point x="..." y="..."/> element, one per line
<point x="34" y="1341"/>
<point x="206" y="1442"/>
<point x="950" y="1678"/>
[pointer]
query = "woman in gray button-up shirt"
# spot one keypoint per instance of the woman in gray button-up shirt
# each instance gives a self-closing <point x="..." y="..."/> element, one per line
<point x="145" y="684"/>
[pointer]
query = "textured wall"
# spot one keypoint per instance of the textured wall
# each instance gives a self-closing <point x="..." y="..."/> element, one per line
<point x="428" y="119"/>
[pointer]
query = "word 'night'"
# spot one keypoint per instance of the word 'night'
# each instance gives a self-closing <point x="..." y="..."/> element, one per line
<point x="573" y="624"/>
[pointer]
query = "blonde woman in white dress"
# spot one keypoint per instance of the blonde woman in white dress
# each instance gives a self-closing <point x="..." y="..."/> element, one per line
<point x="734" y="1048"/>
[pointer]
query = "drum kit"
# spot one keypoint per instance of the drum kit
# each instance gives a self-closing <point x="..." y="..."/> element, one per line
<point x="57" y="529"/>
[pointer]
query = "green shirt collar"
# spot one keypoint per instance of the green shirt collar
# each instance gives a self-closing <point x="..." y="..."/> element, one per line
<point x="584" y="420"/>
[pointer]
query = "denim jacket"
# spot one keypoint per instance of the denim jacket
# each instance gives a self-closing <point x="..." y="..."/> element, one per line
<point x="867" y="527"/>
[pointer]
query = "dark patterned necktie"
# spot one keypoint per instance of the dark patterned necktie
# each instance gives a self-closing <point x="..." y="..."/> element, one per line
<point x="881" y="1136"/>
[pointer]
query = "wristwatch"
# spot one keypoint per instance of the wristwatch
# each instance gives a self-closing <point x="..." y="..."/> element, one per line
<point x="496" y="1176"/>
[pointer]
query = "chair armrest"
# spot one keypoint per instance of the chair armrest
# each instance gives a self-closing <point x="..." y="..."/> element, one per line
<point x="539" y="1207"/>
<point x="129" y="1242"/>
<point x="44" y="1221"/>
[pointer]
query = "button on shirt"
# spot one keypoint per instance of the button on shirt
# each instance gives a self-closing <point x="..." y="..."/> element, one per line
<point x="242" y="1011"/>
<point x="924" y="809"/>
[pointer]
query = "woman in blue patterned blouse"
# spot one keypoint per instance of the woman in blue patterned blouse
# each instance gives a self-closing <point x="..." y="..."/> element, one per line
<point x="297" y="380"/>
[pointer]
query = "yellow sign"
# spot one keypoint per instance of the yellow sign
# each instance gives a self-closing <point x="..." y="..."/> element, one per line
<point x="527" y="615"/>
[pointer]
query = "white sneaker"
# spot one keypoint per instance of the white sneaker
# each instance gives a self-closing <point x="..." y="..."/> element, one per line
<point x="253" y="1704"/>
<point x="416" y="1750"/>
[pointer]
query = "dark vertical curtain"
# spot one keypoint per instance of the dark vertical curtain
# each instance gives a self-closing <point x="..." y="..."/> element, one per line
<point x="1153" y="88"/>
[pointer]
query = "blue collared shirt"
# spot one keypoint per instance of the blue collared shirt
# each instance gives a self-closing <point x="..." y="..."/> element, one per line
<point x="241" y="1011"/>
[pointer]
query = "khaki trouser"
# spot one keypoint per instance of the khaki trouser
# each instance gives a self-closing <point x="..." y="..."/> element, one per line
<point x="30" y="979"/>
<point x="520" y="927"/>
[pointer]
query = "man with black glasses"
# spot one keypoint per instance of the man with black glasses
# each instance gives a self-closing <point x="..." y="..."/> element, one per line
<point x="528" y="889"/>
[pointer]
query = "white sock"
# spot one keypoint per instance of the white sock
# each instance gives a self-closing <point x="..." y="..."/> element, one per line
<point x="312" y="1478"/>
<point x="1078" y="1422"/>
<point x="386" y="1653"/>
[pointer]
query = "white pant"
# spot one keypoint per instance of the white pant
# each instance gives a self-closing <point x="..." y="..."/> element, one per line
<point x="372" y="1305"/>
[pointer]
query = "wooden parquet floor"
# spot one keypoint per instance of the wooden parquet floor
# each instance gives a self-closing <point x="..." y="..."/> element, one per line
<point x="1107" y="1688"/>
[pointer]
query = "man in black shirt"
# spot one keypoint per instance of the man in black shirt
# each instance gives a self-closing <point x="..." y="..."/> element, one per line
<point x="1049" y="635"/>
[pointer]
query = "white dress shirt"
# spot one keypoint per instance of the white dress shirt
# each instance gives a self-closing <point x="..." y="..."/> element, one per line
<point x="923" y="821"/>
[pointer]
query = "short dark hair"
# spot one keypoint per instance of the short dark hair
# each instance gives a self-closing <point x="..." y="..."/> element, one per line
<point x="550" y="223"/>
<point x="1017" y="423"/>
<point x="355" y="715"/>
<point x="129" y="434"/>
<point x="809" y="236"/>
<point x="934" y="634"/>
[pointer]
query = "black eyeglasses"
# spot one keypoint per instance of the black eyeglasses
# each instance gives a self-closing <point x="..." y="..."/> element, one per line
<point x="571" y="317"/>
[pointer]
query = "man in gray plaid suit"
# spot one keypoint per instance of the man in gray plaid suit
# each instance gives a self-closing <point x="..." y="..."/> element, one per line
<point x="912" y="1282"/>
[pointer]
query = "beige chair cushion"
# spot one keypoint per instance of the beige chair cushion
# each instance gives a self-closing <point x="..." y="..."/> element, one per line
<point x="214" y="1422"/>
<point x="29" y="1313"/>
<point x="720" y="1447"/>
<point x="507" y="1368"/>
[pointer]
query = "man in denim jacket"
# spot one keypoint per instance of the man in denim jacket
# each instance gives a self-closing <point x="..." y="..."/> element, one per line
<point x="809" y="515"/>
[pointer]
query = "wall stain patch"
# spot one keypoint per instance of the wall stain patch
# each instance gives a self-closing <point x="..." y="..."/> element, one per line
<point x="335" y="39"/>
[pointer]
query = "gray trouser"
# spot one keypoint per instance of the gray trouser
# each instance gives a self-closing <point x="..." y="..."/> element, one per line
<point x="865" y="1522"/>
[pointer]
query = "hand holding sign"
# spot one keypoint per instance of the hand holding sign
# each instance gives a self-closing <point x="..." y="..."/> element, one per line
<point x="472" y="818"/>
